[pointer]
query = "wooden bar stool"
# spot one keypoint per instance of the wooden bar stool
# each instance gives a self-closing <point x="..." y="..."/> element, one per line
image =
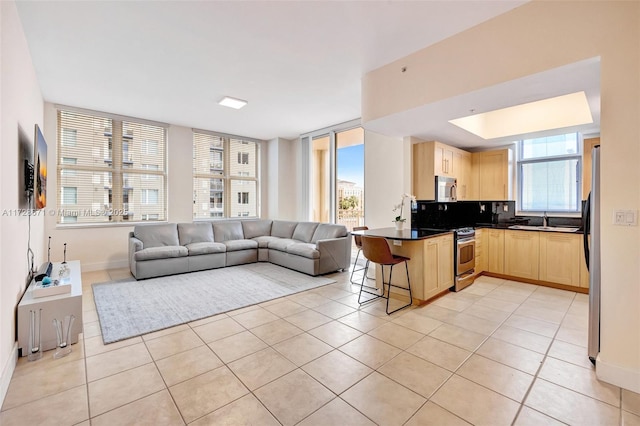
<point x="376" y="250"/>
<point x="357" y="239"/>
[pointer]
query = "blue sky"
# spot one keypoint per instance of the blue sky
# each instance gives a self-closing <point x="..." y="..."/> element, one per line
<point x="351" y="164"/>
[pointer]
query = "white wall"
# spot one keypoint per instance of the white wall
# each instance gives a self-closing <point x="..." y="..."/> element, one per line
<point x="387" y="175"/>
<point x="21" y="106"/>
<point x="281" y="183"/>
<point x="532" y="38"/>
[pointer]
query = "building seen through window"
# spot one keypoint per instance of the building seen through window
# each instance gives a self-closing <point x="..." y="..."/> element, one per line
<point x="110" y="170"/>
<point x="225" y="176"/>
<point x="549" y="174"/>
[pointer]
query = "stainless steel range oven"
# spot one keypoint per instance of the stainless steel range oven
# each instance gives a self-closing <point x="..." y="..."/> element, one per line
<point x="464" y="257"/>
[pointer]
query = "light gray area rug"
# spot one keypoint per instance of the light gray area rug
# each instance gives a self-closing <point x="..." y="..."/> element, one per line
<point x="130" y="308"/>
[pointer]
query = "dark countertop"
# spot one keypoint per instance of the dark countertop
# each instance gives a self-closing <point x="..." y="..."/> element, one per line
<point x="404" y="235"/>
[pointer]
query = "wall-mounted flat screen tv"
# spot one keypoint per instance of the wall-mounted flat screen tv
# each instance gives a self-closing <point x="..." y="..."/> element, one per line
<point x="40" y="175"/>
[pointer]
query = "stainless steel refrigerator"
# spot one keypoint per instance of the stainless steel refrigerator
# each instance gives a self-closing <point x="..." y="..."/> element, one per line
<point x="591" y="226"/>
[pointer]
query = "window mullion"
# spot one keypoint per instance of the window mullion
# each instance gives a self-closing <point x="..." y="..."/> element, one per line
<point x="227" y="178"/>
<point x="117" y="177"/>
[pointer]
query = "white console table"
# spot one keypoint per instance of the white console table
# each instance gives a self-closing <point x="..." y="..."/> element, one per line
<point x="57" y="306"/>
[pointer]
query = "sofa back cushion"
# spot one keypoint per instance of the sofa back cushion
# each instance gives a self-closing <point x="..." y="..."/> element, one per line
<point x="228" y="230"/>
<point x="157" y="235"/>
<point x="283" y="228"/>
<point x="197" y="232"/>
<point x="256" y="228"/>
<point x="304" y="231"/>
<point x="325" y="231"/>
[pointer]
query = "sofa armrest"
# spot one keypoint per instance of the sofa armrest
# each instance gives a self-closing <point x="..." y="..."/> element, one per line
<point x="135" y="245"/>
<point x="335" y="253"/>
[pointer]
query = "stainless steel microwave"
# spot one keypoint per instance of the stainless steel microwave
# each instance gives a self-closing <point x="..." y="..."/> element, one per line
<point x="446" y="189"/>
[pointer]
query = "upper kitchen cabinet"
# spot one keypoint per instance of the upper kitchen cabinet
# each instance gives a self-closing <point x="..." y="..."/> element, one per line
<point x="431" y="159"/>
<point x="490" y="175"/>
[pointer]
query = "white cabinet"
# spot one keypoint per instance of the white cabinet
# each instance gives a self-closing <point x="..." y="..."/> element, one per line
<point x="50" y="308"/>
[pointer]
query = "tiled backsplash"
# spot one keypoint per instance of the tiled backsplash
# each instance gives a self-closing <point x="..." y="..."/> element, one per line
<point x="431" y="214"/>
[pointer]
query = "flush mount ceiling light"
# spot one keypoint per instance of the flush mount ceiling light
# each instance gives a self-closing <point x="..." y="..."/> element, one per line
<point x="553" y="113"/>
<point x="230" y="102"/>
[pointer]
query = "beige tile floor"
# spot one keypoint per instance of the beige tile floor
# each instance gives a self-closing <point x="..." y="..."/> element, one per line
<point x="498" y="353"/>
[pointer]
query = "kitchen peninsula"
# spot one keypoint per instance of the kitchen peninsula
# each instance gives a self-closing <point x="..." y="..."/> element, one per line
<point x="431" y="264"/>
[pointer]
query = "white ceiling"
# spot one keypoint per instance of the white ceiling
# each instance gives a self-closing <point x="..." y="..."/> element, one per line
<point x="299" y="64"/>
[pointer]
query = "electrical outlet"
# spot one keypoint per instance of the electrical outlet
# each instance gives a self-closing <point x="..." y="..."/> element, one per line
<point x="397" y="242"/>
<point x="505" y="207"/>
<point x="625" y="217"/>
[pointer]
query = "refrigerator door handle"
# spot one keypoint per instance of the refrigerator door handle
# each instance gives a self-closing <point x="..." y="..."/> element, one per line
<point x="586" y="226"/>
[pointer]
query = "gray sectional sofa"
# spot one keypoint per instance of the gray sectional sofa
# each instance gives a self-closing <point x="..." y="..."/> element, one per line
<point x="173" y="248"/>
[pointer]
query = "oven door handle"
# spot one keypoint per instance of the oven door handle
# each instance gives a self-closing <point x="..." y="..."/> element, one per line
<point x="466" y="240"/>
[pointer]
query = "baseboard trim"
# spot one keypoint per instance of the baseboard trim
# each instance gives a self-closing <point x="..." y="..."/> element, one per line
<point x="7" y="372"/>
<point x="616" y="375"/>
<point x="102" y="266"/>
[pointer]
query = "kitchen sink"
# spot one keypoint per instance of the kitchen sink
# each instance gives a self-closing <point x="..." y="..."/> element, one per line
<point x="545" y="228"/>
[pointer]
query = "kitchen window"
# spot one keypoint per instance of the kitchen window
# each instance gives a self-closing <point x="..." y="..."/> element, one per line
<point x="225" y="176"/>
<point x="549" y="174"/>
<point x="116" y="166"/>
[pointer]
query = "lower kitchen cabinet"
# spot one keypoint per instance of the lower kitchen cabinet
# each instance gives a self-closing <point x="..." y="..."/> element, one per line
<point x="430" y="267"/>
<point x="546" y="257"/>
<point x="438" y="262"/>
<point x="521" y="254"/>
<point x="494" y="243"/>
<point x="560" y="258"/>
<point x="481" y="256"/>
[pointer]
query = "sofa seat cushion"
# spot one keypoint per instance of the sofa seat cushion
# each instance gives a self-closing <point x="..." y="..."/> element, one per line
<point x="236" y="245"/>
<point x="196" y="249"/>
<point x="165" y="252"/>
<point x="304" y="249"/>
<point x="263" y="242"/>
<point x="281" y="244"/>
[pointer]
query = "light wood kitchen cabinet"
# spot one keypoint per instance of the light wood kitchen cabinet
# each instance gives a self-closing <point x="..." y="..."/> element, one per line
<point x="521" y="254"/>
<point x="462" y="171"/>
<point x="431" y="159"/>
<point x="438" y="265"/>
<point x="443" y="160"/>
<point x="494" y="243"/>
<point x="560" y="256"/>
<point x="481" y="256"/>
<point x="490" y="175"/>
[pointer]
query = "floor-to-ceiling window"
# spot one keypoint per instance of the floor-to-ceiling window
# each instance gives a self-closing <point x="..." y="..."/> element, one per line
<point x="350" y="177"/>
<point x="336" y="175"/>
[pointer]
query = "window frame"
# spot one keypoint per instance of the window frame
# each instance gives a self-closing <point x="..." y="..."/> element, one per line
<point x="226" y="176"/>
<point x="520" y="162"/>
<point x="117" y="208"/>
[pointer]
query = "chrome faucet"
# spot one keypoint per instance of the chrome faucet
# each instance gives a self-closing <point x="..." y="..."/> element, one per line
<point x="545" y="220"/>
